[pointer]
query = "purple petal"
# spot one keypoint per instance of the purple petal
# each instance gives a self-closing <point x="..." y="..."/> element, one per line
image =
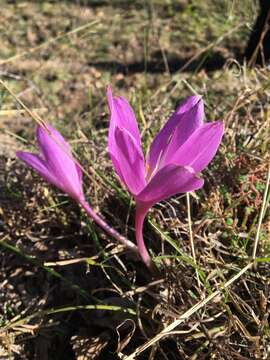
<point x="185" y="120"/>
<point x="39" y="165"/>
<point x="117" y="168"/>
<point x="50" y="139"/>
<point x="170" y="180"/>
<point x="79" y="173"/>
<point x="201" y="147"/>
<point x="129" y="161"/>
<point x="122" y="116"/>
<point x="59" y="161"/>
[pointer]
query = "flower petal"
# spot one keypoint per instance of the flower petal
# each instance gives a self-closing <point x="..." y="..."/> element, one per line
<point x="122" y="116"/>
<point x="117" y="168"/>
<point x="60" y="162"/>
<point x="184" y="121"/>
<point x="170" y="180"/>
<point x="39" y="165"/>
<point x="201" y="146"/>
<point x="128" y="161"/>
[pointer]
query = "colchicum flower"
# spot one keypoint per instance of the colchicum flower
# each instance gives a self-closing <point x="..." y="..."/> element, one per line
<point x="181" y="150"/>
<point x="55" y="162"/>
<point x="56" y="165"/>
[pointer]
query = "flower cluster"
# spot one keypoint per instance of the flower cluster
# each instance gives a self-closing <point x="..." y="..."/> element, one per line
<point x="177" y="155"/>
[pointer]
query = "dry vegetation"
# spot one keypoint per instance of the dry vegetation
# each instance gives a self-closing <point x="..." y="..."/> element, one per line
<point x="67" y="290"/>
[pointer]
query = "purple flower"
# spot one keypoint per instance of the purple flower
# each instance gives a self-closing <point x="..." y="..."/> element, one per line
<point x="182" y="149"/>
<point x="55" y="162"/>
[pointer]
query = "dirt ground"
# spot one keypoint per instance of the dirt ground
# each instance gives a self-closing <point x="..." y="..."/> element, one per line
<point x="67" y="290"/>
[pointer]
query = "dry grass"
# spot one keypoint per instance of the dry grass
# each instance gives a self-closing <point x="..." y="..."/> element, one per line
<point x="67" y="290"/>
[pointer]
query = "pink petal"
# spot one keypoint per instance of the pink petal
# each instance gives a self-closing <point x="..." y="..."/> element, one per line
<point x="60" y="162"/>
<point x="117" y="168"/>
<point x="201" y="147"/>
<point x="122" y="116"/>
<point x="185" y="120"/>
<point x="128" y="160"/>
<point x="80" y="174"/>
<point x="39" y="165"/>
<point x="170" y="180"/>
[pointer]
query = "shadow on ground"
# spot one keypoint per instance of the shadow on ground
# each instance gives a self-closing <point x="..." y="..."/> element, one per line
<point x="172" y="64"/>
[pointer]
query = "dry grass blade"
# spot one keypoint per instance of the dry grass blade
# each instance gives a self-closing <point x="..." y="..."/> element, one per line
<point x="191" y="237"/>
<point x="262" y="212"/>
<point x="12" y="112"/>
<point x="166" y="332"/>
<point x="48" y="42"/>
<point x="201" y="52"/>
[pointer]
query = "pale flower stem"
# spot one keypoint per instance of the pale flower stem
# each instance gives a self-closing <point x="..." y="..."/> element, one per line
<point x="139" y="220"/>
<point x="111" y="231"/>
<point x="191" y="239"/>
